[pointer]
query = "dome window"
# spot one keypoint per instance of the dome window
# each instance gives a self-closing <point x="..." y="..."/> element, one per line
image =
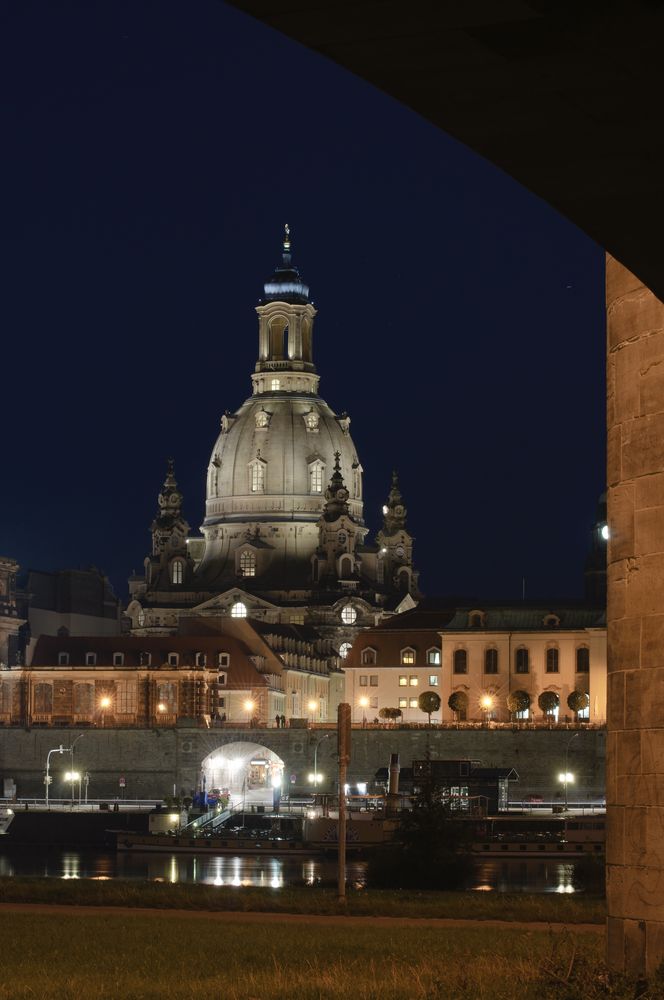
<point x="262" y="420"/>
<point x="239" y="610"/>
<point x="344" y="649"/>
<point x="257" y="474"/>
<point x="248" y="563"/>
<point x="348" y="614"/>
<point x="275" y="385"/>
<point x="316" y="476"/>
<point x="311" y="421"/>
<point x="177" y="571"/>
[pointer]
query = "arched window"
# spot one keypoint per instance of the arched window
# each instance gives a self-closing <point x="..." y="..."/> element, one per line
<point x="344" y="649"/>
<point x="408" y="655"/>
<point x="368" y="656"/>
<point x="552" y="660"/>
<point x="316" y="475"/>
<point x="248" y="563"/>
<point x="348" y="614"/>
<point x="521" y="661"/>
<point x="460" y="660"/>
<point x="177" y="571"/>
<point x="491" y="661"/>
<point x="476" y="620"/>
<point x="433" y="656"/>
<point x="583" y="660"/>
<point x="257" y="476"/>
<point x="239" y="610"/>
<point x="345" y="567"/>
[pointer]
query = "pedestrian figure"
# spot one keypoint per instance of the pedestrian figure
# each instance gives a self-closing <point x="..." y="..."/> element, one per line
<point x="283" y="721"/>
<point x="277" y="719"/>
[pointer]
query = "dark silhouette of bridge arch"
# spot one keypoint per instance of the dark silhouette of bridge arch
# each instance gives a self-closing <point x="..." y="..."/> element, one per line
<point x="566" y="97"/>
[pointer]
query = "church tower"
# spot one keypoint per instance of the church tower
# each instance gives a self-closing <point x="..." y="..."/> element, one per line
<point x="283" y="538"/>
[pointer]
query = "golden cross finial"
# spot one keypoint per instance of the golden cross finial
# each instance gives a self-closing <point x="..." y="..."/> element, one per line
<point x="286" y="237"/>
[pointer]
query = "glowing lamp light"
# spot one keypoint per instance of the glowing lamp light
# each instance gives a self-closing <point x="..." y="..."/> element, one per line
<point x="105" y="702"/>
<point x="276" y="781"/>
<point x="486" y="701"/>
<point x="605" y="532"/>
<point x="364" y="702"/>
<point x="385" y="509"/>
<point x="566" y="777"/>
<point x="313" y="705"/>
<point x="161" y="707"/>
<point x="72" y="776"/>
<point x="249" y="705"/>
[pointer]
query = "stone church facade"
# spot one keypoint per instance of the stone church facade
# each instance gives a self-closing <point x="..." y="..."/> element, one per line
<point x="284" y="538"/>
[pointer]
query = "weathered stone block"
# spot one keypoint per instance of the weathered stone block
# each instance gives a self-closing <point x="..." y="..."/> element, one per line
<point x="652" y="751"/>
<point x="648" y="531"/>
<point x="624" y="637"/>
<point x="642" y="446"/>
<point x="616" y="699"/>
<point x="622" y="521"/>
<point x="652" y="642"/>
<point x="645" y="583"/>
<point x="628" y="753"/>
<point x="615" y="836"/>
<point x="635" y="825"/>
<point x="627" y="398"/>
<point x="650" y="491"/>
<point x="613" y="457"/>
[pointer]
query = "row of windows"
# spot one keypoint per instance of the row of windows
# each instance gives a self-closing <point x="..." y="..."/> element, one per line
<point x="407" y="656"/>
<point x="173" y="659"/>
<point x="522" y="660"/>
<point x="258" y="476"/>
<point x="408" y="703"/>
<point x="371" y="680"/>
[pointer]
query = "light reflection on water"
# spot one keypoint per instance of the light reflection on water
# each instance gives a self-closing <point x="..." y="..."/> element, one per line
<point x="498" y="875"/>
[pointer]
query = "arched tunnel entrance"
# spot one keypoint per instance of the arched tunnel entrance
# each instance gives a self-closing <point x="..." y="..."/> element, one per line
<point x="248" y="771"/>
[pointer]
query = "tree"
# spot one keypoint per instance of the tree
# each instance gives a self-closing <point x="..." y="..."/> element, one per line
<point x="548" y="701"/>
<point x="577" y="701"/>
<point x="391" y="714"/>
<point x="518" y="701"/>
<point x="458" y="702"/>
<point x="429" y="702"/>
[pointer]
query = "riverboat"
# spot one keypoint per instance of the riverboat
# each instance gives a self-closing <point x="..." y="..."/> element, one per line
<point x="574" y="837"/>
<point x="6" y="819"/>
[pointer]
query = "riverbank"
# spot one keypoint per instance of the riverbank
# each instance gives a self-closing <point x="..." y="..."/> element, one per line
<point x="63" y="955"/>
<point x="543" y="908"/>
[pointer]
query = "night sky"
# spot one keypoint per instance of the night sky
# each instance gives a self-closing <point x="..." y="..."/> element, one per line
<point x="151" y="155"/>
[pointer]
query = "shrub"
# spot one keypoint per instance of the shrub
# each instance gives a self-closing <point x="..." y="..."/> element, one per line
<point x="518" y="701"/>
<point x="429" y="702"/>
<point x="548" y="701"/>
<point x="577" y="701"/>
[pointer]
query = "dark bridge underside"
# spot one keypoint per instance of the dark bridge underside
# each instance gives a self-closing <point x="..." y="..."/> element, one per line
<point x="564" y="95"/>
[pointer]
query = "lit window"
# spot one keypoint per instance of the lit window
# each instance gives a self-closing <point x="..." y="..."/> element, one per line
<point x="408" y="655"/>
<point x="368" y="656"/>
<point x="363" y="680"/>
<point x="403" y="681"/>
<point x="348" y="615"/>
<point x="412" y="680"/>
<point x="460" y="661"/>
<point x="403" y="702"/>
<point x="522" y="661"/>
<point x="248" y="563"/>
<point x="275" y="385"/>
<point x="239" y="610"/>
<point x="433" y="680"/>
<point x="413" y="703"/>
<point x="257" y="476"/>
<point x="373" y="680"/>
<point x="433" y="657"/>
<point x="141" y="619"/>
<point x="177" y="571"/>
<point x="552" y="660"/>
<point x="118" y="659"/>
<point x="583" y="660"/>
<point x="90" y="659"/>
<point x="490" y="661"/>
<point x="316" y="477"/>
<point x="167" y="696"/>
<point x="344" y="650"/>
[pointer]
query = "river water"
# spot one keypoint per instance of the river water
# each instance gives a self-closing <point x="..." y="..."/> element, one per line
<point x="537" y="875"/>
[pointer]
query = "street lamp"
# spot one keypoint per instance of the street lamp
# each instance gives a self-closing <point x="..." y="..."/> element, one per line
<point x="486" y="702"/>
<point x="104" y="703"/>
<point x="312" y="706"/>
<point x="364" y="704"/>
<point x="566" y="777"/>
<point x="71" y="767"/>
<point x="74" y="776"/>
<point x="48" y="779"/>
<point x="249" y="706"/>
<point x="316" y="745"/>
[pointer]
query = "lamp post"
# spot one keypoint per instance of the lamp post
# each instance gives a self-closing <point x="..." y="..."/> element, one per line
<point x="486" y="701"/>
<point x="104" y="703"/>
<point x="316" y="745"/>
<point x="249" y="706"/>
<point x="312" y="706"/>
<point x="74" y="776"/>
<point x="567" y="777"/>
<point x="47" y="780"/>
<point x="71" y="766"/>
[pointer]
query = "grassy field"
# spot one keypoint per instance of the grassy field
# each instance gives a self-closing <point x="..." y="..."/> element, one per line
<point x="547" y="907"/>
<point x="171" y="957"/>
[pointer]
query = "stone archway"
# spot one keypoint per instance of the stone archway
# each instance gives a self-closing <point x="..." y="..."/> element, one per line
<point x="250" y="771"/>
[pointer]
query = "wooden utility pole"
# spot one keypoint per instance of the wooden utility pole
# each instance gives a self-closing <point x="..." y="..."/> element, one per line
<point x="343" y="743"/>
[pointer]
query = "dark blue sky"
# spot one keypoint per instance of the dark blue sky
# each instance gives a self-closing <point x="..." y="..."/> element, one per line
<point x="151" y="154"/>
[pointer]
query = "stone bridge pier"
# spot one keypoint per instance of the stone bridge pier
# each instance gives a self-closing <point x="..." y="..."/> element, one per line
<point x="635" y="747"/>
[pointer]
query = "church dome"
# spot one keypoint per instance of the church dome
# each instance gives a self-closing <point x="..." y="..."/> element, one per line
<point x="274" y="457"/>
<point x="285" y="283"/>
